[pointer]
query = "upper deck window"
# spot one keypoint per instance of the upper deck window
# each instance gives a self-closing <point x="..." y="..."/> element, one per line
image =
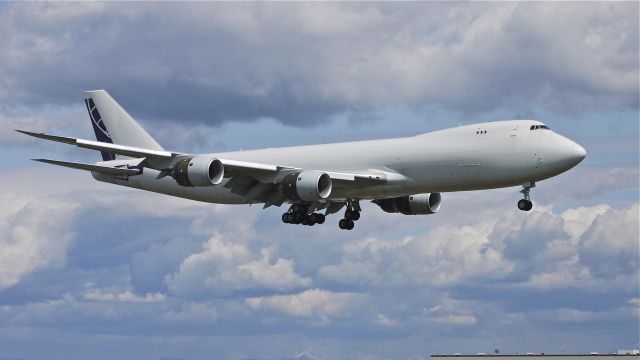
<point x="536" y="127"/>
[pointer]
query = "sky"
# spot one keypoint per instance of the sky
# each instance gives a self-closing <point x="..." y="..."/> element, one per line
<point x="91" y="270"/>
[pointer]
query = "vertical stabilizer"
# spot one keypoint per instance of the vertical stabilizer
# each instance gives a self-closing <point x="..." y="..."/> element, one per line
<point x="112" y="124"/>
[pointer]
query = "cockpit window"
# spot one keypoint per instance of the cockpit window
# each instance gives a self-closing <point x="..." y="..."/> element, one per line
<point x="536" y="127"/>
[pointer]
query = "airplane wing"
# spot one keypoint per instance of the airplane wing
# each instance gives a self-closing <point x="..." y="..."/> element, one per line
<point x="255" y="181"/>
<point x="103" y="146"/>
<point x="91" y="167"/>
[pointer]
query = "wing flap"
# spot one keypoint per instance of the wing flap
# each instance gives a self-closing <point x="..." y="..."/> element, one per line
<point x="246" y="166"/>
<point x="90" y="167"/>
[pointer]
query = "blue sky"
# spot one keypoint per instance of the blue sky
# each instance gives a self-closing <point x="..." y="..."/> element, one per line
<point x="92" y="270"/>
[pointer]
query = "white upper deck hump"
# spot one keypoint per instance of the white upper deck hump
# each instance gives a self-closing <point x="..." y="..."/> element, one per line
<point x="502" y="125"/>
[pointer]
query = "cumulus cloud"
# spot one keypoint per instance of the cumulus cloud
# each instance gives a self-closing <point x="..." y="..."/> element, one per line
<point x="218" y="270"/>
<point x="317" y="304"/>
<point x="226" y="266"/>
<point x="610" y="246"/>
<point x="583" y="248"/>
<point x="34" y="235"/>
<point x="241" y="61"/>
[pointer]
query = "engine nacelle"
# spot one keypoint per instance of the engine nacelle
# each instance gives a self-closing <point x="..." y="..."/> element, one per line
<point x="308" y="185"/>
<point x="418" y="204"/>
<point x="198" y="171"/>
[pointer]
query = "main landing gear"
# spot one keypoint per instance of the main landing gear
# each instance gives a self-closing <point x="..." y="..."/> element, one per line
<point x="299" y="214"/>
<point x="526" y="204"/>
<point x="350" y="215"/>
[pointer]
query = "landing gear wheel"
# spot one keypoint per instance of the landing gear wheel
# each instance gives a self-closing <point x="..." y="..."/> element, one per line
<point x="525" y="205"/>
<point x="317" y="218"/>
<point x="350" y="225"/>
<point x="352" y="215"/>
<point x="345" y="224"/>
<point x="285" y="218"/>
<point x="306" y="219"/>
<point x="296" y="219"/>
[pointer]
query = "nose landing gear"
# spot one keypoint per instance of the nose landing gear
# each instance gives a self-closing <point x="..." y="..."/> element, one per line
<point x="526" y="204"/>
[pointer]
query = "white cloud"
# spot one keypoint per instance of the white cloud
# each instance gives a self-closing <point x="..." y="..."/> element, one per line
<point x="34" y="235"/>
<point x="316" y="304"/>
<point x="127" y="296"/>
<point x="611" y="245"/>
<point x="540" y="250"/>
<point x="384" y="320"/>
<point x="227" y="266"/>
<point x="442" y="256"/>
<point x="577" y="221"/>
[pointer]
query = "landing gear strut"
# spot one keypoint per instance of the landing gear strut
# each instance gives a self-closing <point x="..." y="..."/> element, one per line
<point x="350" y="215"/>
<point x="526" y="204"/>
<point x="299" y="214"/>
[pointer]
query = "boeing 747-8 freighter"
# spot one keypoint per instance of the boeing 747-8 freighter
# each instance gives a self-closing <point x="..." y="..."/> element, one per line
<point x="401" y="175"/>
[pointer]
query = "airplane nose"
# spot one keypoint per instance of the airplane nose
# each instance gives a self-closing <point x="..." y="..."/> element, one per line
<point x="573" y="153"/>
<point x="578" y="153"/>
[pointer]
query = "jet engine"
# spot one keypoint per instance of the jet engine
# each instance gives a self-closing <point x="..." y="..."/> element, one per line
<point x="308" y="185"/>
<point x="418" y="204"/>
<point x="198" y="171"/>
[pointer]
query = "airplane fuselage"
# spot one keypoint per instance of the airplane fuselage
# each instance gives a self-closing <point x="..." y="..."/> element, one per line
<point x="472" y="157"/>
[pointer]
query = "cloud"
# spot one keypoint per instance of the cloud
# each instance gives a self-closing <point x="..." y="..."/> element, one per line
<point x="316" y="304"/>
<point x="589" y="248"/>
<point x="34" y="235"/>
<point x="610" y="246"/>
<point x="192" y="313"/>
<point x="225" y="267"/>
<point x="241" y="62"/>
<point x="222" y="270"/>
<point x="457" y="320"/>
<point x="127" y="296"/>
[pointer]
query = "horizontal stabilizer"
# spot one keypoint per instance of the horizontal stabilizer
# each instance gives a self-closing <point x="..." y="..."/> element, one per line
<point x="101" y="146"/>
<point x="90" y="167"/>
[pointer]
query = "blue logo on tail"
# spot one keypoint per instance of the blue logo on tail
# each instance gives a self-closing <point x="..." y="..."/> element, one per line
<point x="102" y="134"/>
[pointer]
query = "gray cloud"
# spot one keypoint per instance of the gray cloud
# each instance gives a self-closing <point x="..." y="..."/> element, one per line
<point x="302" y="64"/>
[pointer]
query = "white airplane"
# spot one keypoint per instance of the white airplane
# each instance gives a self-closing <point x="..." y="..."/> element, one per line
<point x="402" y="175"/>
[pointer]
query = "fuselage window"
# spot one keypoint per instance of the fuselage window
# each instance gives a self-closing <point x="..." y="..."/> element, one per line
<point x="536" y="127"/>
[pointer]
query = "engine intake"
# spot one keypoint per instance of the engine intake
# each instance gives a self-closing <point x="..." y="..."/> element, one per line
<point x="418" y="204"/>
<point x="308" y="185"/>
<point x="198" y="171"/>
